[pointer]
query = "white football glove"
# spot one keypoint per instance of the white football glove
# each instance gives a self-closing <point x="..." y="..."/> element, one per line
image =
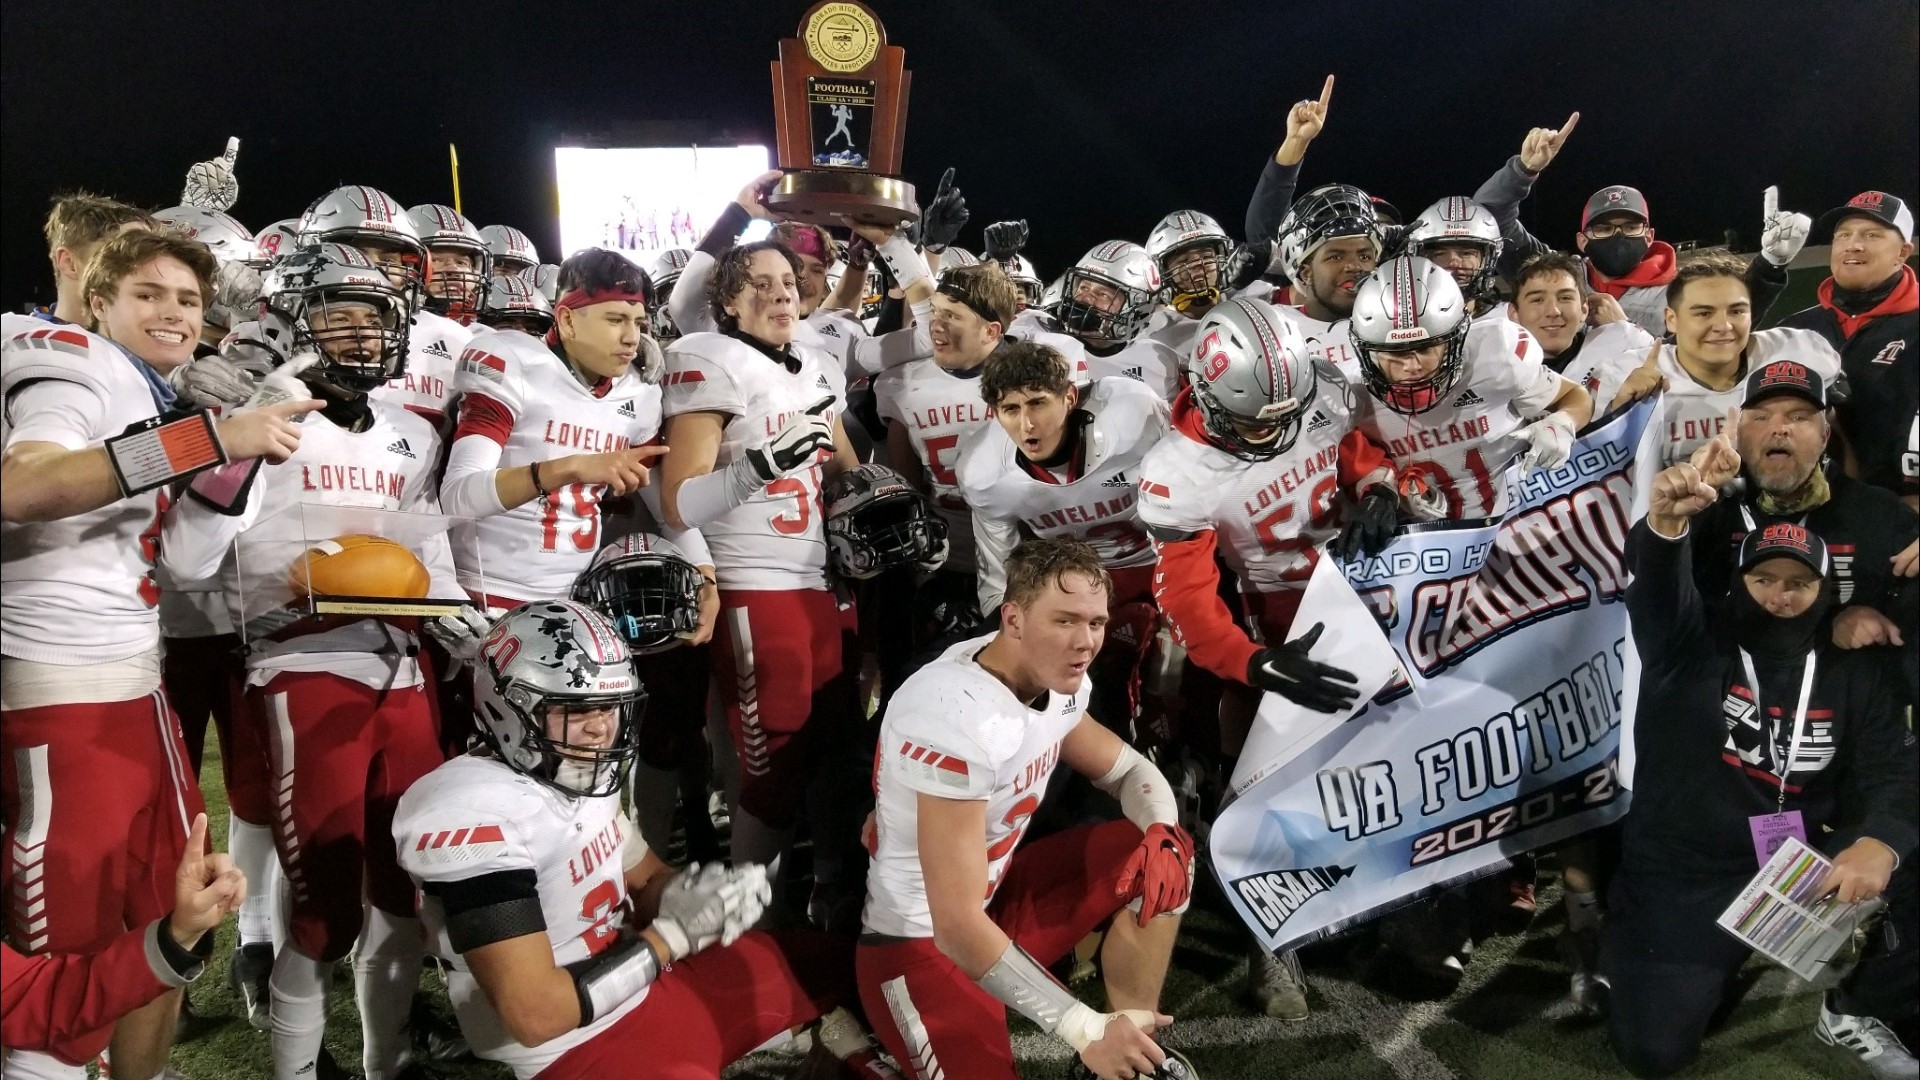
<point x="213" y="382"/>
<point x="210" y="184"/>
<point x="796" y="446"/>
<point x="1782" y="235"/>
<point x="705" y="905"/>
<point x="283" y="383"/>
<point x="236" y="294"/>
<point x="1549" y="441"/>
<point x="461" y="634"/>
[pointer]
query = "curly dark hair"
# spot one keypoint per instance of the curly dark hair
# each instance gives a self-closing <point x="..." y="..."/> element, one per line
<point x="730" y="276"/>
<point x="1024" y="365"/>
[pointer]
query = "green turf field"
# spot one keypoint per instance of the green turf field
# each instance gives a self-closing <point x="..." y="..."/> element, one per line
<point x="1501" y="1025"/>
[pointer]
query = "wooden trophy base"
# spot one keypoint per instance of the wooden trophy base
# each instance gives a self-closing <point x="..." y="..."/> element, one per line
<point x="824" y="197"/>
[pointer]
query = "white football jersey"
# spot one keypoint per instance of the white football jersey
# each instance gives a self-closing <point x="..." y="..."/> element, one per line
<point x="1329" y="342"/>
<point x="1692" y="413"/>
<point x="433" y="351"/>
<point x="1607" y="356"/>
<point x="955" y="731"/>
<point x="1037" y="326"/>
<point x="475" y="816"/>
<point x="527" y="405"/>
<point x="79" y="590"/>
<point x="1090" y="499"/>
<point x="1464" y="443"/>
<point x="1268" y="517"/>
<point x="1145" y="360"/>
<point x="389" y="466"/>
<point x="937" y="408"/>
<point x="1174" y="330"/>
<point x="776" y="540"/>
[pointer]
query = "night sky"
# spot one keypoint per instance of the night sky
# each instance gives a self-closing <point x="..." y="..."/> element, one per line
<point x="1091" y="119"/>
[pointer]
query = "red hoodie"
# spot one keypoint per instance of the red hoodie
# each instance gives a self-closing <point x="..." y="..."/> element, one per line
<point x="1904" y="298"/>
<point x="1186" y="583"/>
<point x="1655" y="270"/>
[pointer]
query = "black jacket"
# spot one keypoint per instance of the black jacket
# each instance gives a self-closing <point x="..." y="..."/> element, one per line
<point x="1707" y="762"/>
<point x="1879" y="418"/>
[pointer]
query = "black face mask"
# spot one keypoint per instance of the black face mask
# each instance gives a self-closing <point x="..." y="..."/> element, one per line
<point x="1616" y="256"/>
<point x="1770" y="638"/>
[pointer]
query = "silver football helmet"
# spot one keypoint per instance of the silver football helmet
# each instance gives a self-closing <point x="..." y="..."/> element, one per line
<point x="1323" y="214"/>
<point x="546" y="279"/>
<point x="514" y="304"/>
<point x="664" y="271"/>
<point x="543" y="665"/>
<point x="277" y="239"/>
<point x="1458" y="220"/>
<point x="1409" y="305"/>
<point x="457" y="294"/>
<point x="345" y="307"/>
<point x="1021" y="272"/>
<point x="1196" y="280"/>
<point x="512" y="251"/>
<point x="649" y="589"/>
<point x="876" y="521"/>
<point x="1252" y="379"/>
<point x="958" y="256"/>
<point x="1109" y="294"/>
<point x="226" y="238"/>
<point x="374" y="222"/>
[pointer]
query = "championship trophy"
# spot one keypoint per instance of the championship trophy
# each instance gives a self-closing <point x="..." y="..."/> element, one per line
<point x="840" y="95"/>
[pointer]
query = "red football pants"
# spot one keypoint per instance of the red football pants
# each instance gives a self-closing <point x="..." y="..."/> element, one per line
<point x="342" y="753"/>
<point x="935" y="1020"/>
<point x="206" y="677"/>
<point x="98" y="801"/>
<point x="777" y="664"/>
<point x="713" y="1008"/>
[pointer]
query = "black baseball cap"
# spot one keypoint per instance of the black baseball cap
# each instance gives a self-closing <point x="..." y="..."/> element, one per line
<point x="1785" y="377"/>
<point x="1887" y="209"/>
<point x="1783" y="540"/>
<point x="1617" y="199"/>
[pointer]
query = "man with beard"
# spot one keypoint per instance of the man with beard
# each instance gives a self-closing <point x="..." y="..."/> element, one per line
<point x="1870" y="311"/>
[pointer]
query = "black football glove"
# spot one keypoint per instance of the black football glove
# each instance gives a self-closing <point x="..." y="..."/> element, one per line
<point x="1291" y="673"/>
<point x="1244" y="266"/>
<point x="1370" y="526"/>
<point x="1004" y="239"/>
<point x="942" y="218"/>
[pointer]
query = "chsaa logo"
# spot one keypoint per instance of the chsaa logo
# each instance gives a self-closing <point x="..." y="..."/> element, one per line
<point x="1274" y="896"/>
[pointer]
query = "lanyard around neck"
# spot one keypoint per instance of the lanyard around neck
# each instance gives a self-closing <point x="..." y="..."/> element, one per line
<point x="1799" y="716"/>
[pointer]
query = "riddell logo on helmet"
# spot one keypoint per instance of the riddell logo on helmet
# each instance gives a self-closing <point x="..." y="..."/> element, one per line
<point x="1414" y="333"/>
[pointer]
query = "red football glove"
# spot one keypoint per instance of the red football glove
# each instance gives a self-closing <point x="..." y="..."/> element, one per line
<point x="1160" y="871"/>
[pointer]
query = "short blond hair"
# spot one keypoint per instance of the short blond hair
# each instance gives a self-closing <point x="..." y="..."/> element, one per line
<point x="983" y="287"/>
<point x="1715" y="264"/>
<point x="81" y="219"/>
<point x="129" y="251"/>
<point x="1040" y="562"/>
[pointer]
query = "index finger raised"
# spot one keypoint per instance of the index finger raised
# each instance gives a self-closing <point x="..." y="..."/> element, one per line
<point x="1770" y="202"/>
<point x="1326" y="94"/>
<point x="1566" y="129"/>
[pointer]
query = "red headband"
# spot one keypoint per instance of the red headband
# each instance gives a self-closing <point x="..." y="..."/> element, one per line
<point x="806" y="241"/>
<point x="579" y="298"/>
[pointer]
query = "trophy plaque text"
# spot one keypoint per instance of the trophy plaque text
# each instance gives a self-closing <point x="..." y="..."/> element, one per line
<point x="840" y="95"/>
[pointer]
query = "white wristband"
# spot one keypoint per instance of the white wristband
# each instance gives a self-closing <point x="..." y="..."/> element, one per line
<point x="906" y="265"/>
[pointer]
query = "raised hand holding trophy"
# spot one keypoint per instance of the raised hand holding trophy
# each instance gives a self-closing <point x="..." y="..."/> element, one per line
<point x="840" y="95"/>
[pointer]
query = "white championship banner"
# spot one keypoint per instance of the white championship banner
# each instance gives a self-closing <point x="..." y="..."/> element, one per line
<point x="1497" y="730"/>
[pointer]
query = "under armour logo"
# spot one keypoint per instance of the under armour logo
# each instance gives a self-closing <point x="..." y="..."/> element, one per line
<point x="399" y="446"/>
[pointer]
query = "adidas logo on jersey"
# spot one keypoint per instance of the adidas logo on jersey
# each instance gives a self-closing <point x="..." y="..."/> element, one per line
<point x="627" y="410"/>
<point x="438" y="348"/>
<point x="1136" y="374"/>
<point x="1318" y="420"/>
<point x="399" y="446"/>
<point x="1467" y="397"/>
<point x="823" y="383"/>
<point x="1117" y="480"/>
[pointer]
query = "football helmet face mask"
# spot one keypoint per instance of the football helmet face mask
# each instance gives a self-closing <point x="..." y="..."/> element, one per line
<point x="1459" y="221"/>
<point x="277" y="239"/>
<point x="371" y="220"/>
<point x="345" y="308"/>
<point x="514" y="304"/>
<point x="541" y="667"/>
<point x="1109" y="294"/>
<point x="664" y="271"/>
<point x="1191" y="251"/>
<point x="511" y="250"/>
<point x="455" y="293"/>
<point x="1252" y="379"/>
<point x="876" y="521"/>
<point x="647" y="589"/>
<point x="1409" y="305"/>
<point x="1326" y="212"/>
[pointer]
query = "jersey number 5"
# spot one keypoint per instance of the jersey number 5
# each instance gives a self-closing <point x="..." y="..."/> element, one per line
<point x="800" y="488"/>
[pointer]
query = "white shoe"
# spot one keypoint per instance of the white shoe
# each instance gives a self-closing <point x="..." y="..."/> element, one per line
<point x="1877" y="1046"/>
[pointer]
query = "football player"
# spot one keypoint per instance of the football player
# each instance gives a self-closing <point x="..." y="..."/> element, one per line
<point x="1253" y="473"/>
<point x="237" y="289"/>
<point x="512" y="252"/>
<point x="1061" y="462"/>
<point x="577" y="952"/>
<point x="960" y="923"/>
<point x="753" y="429"/>
<point x="459" y="267"/>
<point x="94" y="773"/>
<point x="514" y="304"/>
<point x="75" y="227"/>
<point x="1330" y="241"/>
<point x="370" y="220"/>
<point x="1107" y="302"/>
<point x="348" y="722"/>
<point x="664" y="271"/>
<point x="1450" y="400"/>
<point x="1461" y="237"/>
<point x="1586" y="337"/>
